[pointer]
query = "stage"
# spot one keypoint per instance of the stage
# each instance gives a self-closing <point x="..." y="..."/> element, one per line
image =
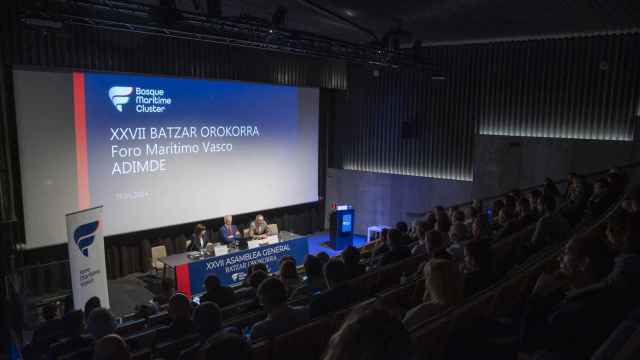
<point x="138" y="288"/>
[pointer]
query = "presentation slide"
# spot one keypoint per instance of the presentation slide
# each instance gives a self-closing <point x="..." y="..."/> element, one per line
<point x="159" y="151"/>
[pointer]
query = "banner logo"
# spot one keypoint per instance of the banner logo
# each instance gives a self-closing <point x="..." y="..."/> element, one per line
<point x="119" y="95"/>
<point x="84" y="235"/>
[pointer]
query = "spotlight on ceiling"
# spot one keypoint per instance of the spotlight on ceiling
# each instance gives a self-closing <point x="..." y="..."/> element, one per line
<point x="279" y="18"/>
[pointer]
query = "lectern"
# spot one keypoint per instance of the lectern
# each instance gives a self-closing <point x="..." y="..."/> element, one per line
<point x="341" y="222"/>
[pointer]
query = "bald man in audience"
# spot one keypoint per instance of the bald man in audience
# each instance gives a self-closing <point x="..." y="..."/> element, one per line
<point x="111" y="347"/>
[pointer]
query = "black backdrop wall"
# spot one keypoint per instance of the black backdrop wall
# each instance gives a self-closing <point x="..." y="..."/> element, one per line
<point x="408" y="122"/>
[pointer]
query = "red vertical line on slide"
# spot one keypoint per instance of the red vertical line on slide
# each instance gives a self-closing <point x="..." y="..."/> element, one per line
<point x="82" y="165"/>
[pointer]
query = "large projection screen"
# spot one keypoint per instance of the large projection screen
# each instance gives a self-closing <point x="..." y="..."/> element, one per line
<point x="159" y="151"/>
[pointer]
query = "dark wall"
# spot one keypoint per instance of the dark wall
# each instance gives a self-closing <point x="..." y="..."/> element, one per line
<point x="400" y="121"/>
<point x="572" y="88"/>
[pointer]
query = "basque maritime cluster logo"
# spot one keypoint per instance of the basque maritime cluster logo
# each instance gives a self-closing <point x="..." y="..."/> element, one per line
<point x="146" y="100"/>
<point x="119" y="96"/>
<point x="84" y="235"/>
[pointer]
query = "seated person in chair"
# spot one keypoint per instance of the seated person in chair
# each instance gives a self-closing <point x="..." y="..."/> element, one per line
<point x="199" y="239"/>
<point x="259" y="228"/>
<point x="228" y="232"/>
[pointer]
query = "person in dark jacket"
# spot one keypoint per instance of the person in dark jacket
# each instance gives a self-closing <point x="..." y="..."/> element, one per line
<point x="397" y="251"/>
<point x="207" y="320"/>
<point x="339" y="295"/>
<point x="351" y="259"/>
<point x="221" y="295"/>
<point x="572" y="324"/>
<point x="181" y="323"/>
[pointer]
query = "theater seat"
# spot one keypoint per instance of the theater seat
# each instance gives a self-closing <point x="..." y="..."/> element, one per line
<point x="131" y="327"/>
<point x="261" y="350"/>
<point x="308" y="342"/>
<point x="431" y="340"/>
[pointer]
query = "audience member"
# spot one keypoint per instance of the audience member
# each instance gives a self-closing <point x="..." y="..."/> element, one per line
<point x="323" y="257"/>
<point x="111" y="347"/>
<point x="534" y="195"/>
<point x="288" y="258"/>
<point x="481" y="229"/>
<point x="508" y="225"/>
<point x="403" y="228"/>
<point x="351" y="259"/>
<point x="633" y="197"/>
<point x="100" y="323"/>
<point x="289" y="276"/>
<point x="551" y="228"/>
<point x="509" y="204"/>
<point x="443" y="288"/>
<point x="52" y="327"/>
<point x="601" y="199"/>
<point x="525" y="215"/>
<point x="457" y="237"/>
<point x="617" y="183"/>
<point x="314" y="282"/>
<point x="370" y="333"/>
<point x="221" y="295"/>
<point x="225" y="346"/>
<point x="623" y="237"/>
<point x="73" y="324"/>
<point x="181" y="323"/>
<point x="458" y="217"/>
<point x="207" y="320"/>
<point x="443" y="222"/>
<point x="495" y="211"/>
<point x="571" y="325"/>
<point x="550" y="188"/>
<point x="252" y="268"/>
<point x="167" y="290"/>
<point x="382" y="247"/>
<point x="92" y="303"/>
<point x="478" y="267"/>
<point x="397" y="251"/>
<point x="281" y="317"/>
<point x="577" y="195"/>
<point x="339" y="294"/>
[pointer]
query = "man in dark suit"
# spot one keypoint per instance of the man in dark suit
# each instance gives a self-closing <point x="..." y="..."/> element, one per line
<point x="228" y="232"/>
<point x="199" y="239"/>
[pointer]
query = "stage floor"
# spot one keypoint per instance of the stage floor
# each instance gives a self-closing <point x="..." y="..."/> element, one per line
<point x="316" y="240"/>
<point x="134" y="289"/>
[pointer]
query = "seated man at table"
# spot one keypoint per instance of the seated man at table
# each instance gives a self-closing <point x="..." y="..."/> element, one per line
<point x="228" y="232"/>
<point x="258" y="228"/>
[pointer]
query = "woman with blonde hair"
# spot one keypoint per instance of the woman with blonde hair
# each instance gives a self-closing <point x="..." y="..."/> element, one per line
<point x="443" y="288"/>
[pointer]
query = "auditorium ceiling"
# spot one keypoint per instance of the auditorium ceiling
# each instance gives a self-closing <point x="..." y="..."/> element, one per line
<point x="438" y="21"/>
